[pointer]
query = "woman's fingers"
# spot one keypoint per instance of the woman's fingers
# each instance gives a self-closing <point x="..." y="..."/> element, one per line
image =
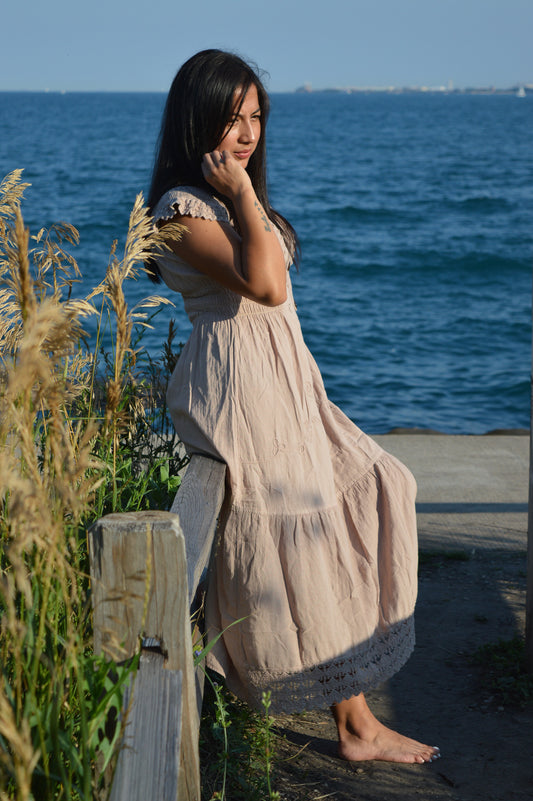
<point x="208" y="166"/>
<point x="217" y="159"/>
<point x="223" y="172"/>
<point x="212" y="163"/>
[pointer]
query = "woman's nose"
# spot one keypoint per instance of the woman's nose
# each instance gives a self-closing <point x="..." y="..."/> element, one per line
<point x="247" y="132"/>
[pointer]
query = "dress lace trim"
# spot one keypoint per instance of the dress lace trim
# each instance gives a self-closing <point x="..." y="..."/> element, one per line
<point x="320" y="686"/>
<point x="190" y="201"/>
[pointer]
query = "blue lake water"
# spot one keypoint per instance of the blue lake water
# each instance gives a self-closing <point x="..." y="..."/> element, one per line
<point x="415" y="214"/>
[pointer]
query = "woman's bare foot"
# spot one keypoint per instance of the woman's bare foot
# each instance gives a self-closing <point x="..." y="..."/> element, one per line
<point x="362" y="736"/>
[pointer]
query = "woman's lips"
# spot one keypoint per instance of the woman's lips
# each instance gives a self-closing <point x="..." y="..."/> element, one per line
<point x="243" y="154"/>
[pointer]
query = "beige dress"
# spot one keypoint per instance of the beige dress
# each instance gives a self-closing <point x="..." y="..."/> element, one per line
<point x="318" y="547"/>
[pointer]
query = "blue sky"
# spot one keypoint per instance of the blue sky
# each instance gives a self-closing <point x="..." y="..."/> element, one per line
<point x="134" y="46"/>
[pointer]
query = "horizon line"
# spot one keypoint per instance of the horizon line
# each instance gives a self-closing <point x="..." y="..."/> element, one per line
<point x="307" y="88"/>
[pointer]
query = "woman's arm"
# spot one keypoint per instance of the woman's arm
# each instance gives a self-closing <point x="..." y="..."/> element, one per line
<point x="253" y="265"/>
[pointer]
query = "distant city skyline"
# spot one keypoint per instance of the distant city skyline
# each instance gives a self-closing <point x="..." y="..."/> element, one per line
<point x="121" y="46"/>
<point x="522" y="88"/>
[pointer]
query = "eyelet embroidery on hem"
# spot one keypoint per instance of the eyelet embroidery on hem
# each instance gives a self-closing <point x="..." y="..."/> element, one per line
<point x="330" y="683"/>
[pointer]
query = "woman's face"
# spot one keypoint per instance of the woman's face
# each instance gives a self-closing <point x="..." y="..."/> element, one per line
<point x="244" y="129"/>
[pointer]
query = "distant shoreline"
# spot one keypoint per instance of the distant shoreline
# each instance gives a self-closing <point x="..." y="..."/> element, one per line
<point x="520" y="90"/>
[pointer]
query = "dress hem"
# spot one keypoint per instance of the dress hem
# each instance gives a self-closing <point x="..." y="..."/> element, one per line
<point x="319" y="686"/>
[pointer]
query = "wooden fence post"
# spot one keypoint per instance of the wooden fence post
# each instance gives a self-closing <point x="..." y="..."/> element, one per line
<point x="149" y="761"/>
<point x="139" y="579"/>
<point x="139" y="565"/>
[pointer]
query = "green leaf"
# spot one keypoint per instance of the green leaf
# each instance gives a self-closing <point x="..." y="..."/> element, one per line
<point x="199" y="656"/>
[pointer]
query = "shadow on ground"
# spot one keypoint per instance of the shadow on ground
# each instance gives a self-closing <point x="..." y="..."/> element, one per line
<point x="466" y="599"/>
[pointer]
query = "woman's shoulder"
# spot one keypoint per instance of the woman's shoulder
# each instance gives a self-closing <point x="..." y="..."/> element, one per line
<point x="190" y="201"/>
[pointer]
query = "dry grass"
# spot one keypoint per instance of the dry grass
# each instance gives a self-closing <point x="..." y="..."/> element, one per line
<point x="62" y="455"/>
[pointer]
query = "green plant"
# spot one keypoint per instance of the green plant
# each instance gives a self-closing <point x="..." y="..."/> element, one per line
<point x="439" y="558"/>
<point x="77" y="439"/>
<point x="268" y="746"/>
<point x="504" y="671"/>
<point x="236" y="747"/>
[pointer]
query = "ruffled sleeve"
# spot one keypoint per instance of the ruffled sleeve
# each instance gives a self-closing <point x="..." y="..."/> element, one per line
<point x="190" y="201"/>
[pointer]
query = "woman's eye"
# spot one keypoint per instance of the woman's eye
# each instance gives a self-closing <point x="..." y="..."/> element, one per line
<point x="229" y="126"/>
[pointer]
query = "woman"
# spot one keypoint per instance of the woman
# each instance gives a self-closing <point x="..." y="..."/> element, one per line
<point x="318" y="547"/>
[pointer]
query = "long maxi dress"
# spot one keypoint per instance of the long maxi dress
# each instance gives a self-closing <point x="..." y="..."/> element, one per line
<point x="318" y="545"/>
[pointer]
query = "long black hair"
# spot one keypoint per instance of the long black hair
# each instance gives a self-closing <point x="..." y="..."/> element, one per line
<point x="199" y="106"/>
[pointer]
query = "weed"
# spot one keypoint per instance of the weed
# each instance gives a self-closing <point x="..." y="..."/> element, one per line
<point x="439" y="558"/>
<point x="504" y="671"/>
<point x="236" y="747"/>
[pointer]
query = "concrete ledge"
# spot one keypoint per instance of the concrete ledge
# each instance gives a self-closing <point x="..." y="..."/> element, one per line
<point x="472" y="490"/>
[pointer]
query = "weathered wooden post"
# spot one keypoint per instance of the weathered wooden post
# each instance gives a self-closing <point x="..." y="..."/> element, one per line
<point x="139" y="566"/>
<point x="139" y="577"/>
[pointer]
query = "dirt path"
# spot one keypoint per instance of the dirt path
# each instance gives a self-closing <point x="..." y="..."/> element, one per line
<point x="487" y="747"/>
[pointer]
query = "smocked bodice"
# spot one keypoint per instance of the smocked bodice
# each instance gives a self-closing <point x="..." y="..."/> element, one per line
<point x="222" y="304"/>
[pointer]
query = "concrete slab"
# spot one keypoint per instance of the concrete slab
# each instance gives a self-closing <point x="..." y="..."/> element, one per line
<point x="472" y="490"/>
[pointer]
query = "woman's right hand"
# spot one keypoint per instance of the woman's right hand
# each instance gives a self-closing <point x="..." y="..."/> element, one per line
<point x="225" y="174"/>
<point x="250" y="262"/>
